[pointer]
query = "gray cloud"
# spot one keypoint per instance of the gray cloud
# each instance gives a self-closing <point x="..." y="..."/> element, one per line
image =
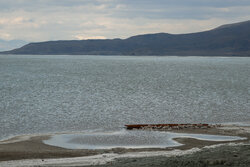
<point x="185" y="9"/>
<point x="39" y="20"/>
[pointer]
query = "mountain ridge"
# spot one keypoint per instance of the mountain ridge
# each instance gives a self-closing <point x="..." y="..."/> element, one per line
<point x="225" y="40"/>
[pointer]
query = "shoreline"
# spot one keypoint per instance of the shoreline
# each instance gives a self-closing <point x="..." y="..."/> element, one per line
<point x="32" y="147"/>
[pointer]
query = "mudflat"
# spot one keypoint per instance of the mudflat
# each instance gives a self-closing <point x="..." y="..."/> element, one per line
<point x="226" y="155"/>
<point x="238" y="153"/>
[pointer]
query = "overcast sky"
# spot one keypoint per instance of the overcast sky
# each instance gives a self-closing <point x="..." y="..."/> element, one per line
<point x="41" y="20"/>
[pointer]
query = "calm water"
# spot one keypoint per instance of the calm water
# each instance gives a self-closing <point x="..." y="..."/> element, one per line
<point x="127" y="139"/>
<point x="40" y="94"/>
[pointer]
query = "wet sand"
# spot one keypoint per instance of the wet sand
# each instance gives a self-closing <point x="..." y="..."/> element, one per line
<point x="226" y="155"/>
<point x="33" y="148"/>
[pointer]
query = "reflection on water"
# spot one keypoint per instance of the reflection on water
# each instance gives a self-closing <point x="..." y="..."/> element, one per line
<point x="127" y="139"/>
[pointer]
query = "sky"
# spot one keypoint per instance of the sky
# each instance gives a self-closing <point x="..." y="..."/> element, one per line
<point x="43" y="20"/>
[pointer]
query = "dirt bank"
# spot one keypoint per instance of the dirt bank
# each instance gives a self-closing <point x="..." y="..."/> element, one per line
<point x="237" y="156"/>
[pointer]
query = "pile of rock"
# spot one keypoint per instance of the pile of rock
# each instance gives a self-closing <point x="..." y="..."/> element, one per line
<point x="176" y="126"/>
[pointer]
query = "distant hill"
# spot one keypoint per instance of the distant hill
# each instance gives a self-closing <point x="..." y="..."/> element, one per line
<point x="226" y="40"/>
<point x="12" y="44"/>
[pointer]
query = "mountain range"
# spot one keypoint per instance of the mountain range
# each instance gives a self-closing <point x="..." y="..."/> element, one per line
<point x="226" y="40"/>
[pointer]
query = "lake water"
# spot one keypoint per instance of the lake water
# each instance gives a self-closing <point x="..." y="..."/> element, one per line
<point x="128" y="139"/>
<point x="46" y="94"/>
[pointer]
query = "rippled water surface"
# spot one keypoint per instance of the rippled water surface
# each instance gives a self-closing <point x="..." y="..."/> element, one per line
<point x="41" y="94"/>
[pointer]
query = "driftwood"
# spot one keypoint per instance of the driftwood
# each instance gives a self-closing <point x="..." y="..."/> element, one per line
<point x="166" y="126"/>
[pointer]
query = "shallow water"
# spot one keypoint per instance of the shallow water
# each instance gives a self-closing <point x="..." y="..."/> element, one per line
<point x="43" y="94"/>
<point x="127" y="139"/>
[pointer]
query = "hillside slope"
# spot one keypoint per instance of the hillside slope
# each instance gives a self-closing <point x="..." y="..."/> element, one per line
<point x="226" y="40"/>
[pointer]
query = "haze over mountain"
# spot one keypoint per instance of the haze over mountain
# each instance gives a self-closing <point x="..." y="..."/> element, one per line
<point x="226" y="40"/>
<point x="11" y="44"/>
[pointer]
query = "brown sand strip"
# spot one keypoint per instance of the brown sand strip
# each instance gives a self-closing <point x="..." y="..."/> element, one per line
<point x="34" y="148"/>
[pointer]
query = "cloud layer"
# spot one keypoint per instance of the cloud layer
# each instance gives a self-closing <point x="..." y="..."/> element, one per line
<point x="41" y="20"/>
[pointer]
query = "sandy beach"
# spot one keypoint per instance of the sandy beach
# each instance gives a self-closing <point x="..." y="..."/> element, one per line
<point x="30" y="151"/>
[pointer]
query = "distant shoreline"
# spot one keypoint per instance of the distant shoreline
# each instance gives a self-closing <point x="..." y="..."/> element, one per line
<point x="218" y="56"/>
<point x="227" y="40"/>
